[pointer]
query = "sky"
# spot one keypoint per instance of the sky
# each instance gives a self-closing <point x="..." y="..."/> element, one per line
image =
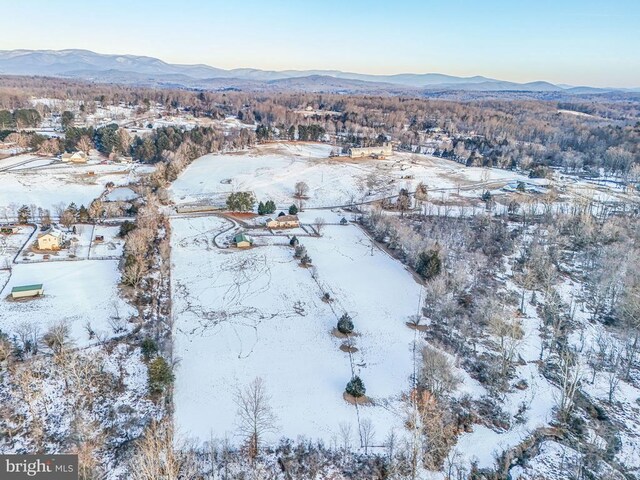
<point x="577" y="42"/>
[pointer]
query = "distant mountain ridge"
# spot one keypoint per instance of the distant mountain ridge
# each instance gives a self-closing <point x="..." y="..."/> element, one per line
<point x="88" y="65"/>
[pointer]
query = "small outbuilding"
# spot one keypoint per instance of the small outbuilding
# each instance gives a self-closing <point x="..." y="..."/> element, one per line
<point x="9" y="229"/>
<point x="242" y="241"/>
<point x="26" y="291"/>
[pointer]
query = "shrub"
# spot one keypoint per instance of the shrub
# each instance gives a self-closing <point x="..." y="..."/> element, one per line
<point x="355" y="387"/>
<point x="294" y="241"/>
<point x="159" y="374"/>
<point x="241" y="201"/>
<point x="345" y="324"/>
<point x="300" y="251"/>
<point x="269" y="207"/>
<point x="305" y="260"/>
<point x="429" y="264"/>
<point x="125" y="228"/>
<point x="149" y="348"/>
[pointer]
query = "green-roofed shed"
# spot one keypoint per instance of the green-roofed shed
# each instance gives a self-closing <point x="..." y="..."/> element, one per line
<point x="27" y="291"/>
<point x="242" y="241"/>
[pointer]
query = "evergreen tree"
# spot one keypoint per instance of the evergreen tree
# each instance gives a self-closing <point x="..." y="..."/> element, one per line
<point x="294" y="241"/>
<point x="356" y="387"/>
<point x="66" y="119"/>
<point x="24" y="214"/>
<point x="293" y="210"/>
<point x="261" y="209"/>
<point x="429" y="264"/>
<point x="240" y="201"/>
<point x="159" y="375"/>
<point x="345" y="324"/>
<point x="83" y="214"/>
<point x="149" y="348"/>
<point x="269" y="207"/>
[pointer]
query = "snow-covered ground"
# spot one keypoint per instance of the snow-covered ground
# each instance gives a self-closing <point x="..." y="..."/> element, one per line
<point x="257" y="313"/>
<point x="79" y="293"/>
<point x="10" y="245"/>
<point x="271" y="171"/>
<point x="46" y="186"/>
<point x="110" y="246"/>
<point x="121" y="194"/>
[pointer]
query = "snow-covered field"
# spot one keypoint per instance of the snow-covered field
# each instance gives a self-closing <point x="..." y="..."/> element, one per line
<point x="77" y="292"/>
<point x="10" y="245"/>
<point x="271" y="171"/>
<point x="46" y="186"/>
<point x="257" y="313"/>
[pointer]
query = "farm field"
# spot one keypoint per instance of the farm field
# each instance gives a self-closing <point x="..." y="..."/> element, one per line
<point x="272" y="170"/>
<point x="257" y="313"/>
<point x="78" y="293"/>
<point x="48" y="185"/>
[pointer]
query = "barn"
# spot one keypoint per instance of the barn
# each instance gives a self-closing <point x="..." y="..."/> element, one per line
<point x="26" y="291"/>
<point x="378" y="152"/>
<point x="242" y="241"/>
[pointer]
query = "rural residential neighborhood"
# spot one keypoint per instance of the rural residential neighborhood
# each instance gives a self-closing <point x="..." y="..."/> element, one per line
<point x="292" y="273"/>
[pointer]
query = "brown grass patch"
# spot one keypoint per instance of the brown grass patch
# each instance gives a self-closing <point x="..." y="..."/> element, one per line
<point x="362" y="401"/>
<point x="242" y="215"/>
<point x="345" y="347"/>
<point x="338" y="334"/>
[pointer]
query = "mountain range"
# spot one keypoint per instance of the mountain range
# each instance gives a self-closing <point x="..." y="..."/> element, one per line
<point x="149" y="71"/>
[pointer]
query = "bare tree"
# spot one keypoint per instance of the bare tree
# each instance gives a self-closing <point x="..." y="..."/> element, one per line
<point x="57" y="337"/>
<point x="345" y="436"/>
<point x="570" y="378"/>
<point x="301" y="190"/>
<point x="319" y="224"/>
<point x="84" y="144"/>
<point x="255" y="415"/>
<point x="436" y="373"/>
<point x="155" y="457"/>
<point x="368" y="433"/>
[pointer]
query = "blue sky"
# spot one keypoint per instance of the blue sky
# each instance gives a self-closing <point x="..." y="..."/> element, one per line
<point x="563" y="41"/>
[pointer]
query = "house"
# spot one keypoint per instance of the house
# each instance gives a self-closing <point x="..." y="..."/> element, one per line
<point x="284" y="221"/>
<point x="242" y="241"/>
<point x="76" y="157"/>
<point x="9" y="229"/>
<point x="379" y="152"/>
<point x="50" y="239"/>
<point x="27" y="291"/>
